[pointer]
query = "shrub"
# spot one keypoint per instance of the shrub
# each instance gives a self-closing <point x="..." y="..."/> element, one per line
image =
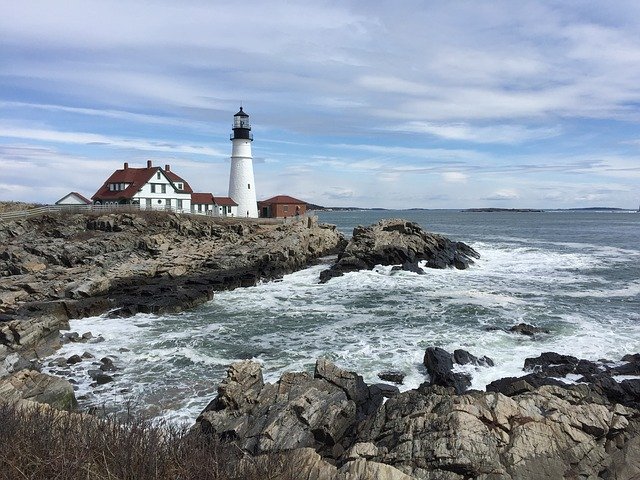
<point x="38" y="442"/>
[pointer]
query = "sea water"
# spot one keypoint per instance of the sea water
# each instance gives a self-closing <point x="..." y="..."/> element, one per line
<point x="576" y="274"/>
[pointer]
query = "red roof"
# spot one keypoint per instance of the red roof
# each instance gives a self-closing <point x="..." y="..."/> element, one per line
<point x="281" y="199"/>
<point x="136" y="178"/>
<point x="202" y="198"/>
<point x="225" y="201"/>
<point x="80" y="197"/>
<point x="186" y="188"/>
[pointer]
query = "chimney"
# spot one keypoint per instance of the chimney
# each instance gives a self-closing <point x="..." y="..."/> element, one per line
<point x="126" y="165"/>
<point x="167" y="168"/>
<point x="149" y="165"/>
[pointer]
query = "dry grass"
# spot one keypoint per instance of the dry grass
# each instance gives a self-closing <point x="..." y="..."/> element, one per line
<point x="43" y="443"/>
<point x="17" y="206"/>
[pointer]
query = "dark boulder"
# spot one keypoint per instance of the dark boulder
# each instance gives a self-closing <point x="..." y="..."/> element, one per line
<point x="392" y="376"/>
<point x="462" y="357"/>
<point x="439" y="364"/>
<point x="73" y="359"/>
<point x="528" y="330"/>
<point x="511" y="386"/>
<point x="107" y="365"/>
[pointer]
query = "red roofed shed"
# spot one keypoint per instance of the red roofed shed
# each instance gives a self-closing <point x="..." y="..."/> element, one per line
<point x="281" y="206"/>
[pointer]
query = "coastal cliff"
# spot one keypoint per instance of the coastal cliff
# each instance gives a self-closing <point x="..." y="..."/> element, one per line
<point x="57" y="267"/>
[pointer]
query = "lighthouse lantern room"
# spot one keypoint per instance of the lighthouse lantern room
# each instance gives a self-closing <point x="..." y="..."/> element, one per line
<point x="241" y="181"/>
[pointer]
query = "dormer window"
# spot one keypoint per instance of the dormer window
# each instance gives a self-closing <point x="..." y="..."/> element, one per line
<point x="179" y="186"/>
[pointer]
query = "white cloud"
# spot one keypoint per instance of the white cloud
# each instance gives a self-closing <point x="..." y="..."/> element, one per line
<point x="455" y="177"/>
<point x="508" y="134"/>
<point x="83" y="138"/>
<point x="502" y="195"/>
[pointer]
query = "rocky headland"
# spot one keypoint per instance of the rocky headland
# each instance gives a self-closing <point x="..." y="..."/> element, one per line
<point x="564" y="418"/>
<point x="63" y="266"/>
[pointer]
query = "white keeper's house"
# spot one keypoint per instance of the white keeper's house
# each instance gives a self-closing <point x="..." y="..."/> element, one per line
<point x="153" y="188"/>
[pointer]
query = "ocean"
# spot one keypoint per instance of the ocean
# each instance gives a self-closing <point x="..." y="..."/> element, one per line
<point x="574" y="273"/>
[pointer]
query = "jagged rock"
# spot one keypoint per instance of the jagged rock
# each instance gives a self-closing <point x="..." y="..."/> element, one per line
<point x="399" y="242"/>
<point x="361" y="469"/>
<point x="462" y="357"/>
<point x="367" y="398"/>
<point x="541" y="435"/>
<point x="15" y="362"/>
<point x="38" y="387"/>
<point x="298" y="411"/>
<point x="439" y="364"/>
<point x="547" y="432"/>
<point x="526" y="329"/>
<point x="392" y="376"/>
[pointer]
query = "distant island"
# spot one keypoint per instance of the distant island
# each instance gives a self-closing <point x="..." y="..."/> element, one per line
<point x="492" y="209"/>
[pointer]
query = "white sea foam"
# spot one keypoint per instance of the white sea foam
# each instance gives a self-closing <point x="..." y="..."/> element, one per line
<point x="373" y="321"/>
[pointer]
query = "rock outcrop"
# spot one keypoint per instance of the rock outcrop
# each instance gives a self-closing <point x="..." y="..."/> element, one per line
<point x="399" y="242"/>
<point x="72" y="265"/>
<point x="38" y="387"/>
<point x="338" y="429"/>
<point x="549" y="368"/>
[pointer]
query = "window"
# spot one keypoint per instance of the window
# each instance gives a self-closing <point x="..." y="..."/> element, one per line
<point x="199" y="207"/>
<point x="158" y="176"/>
<point x="180" y="186"/>
<point x="159" y="201"/>
<point x="122" y="187"/>
<point x="179" y="204"/>
<point x="249" y="186"/>
<point x="112" y="187"/>
<point x="285" y="208"/>
<point x="153" y="188"/>
<point x="148" y="203"/>
<point x="168" y="202"/>
<point x="164" y="188"/>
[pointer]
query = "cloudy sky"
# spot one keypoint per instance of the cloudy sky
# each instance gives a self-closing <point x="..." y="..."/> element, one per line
<point x="353" y="103"/>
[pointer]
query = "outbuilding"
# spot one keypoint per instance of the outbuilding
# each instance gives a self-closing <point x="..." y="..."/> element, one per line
<point x="282" y="206"/>
<point x="74" y="199"/>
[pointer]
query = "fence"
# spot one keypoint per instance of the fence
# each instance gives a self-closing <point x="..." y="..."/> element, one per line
<point x="33" y="212"/>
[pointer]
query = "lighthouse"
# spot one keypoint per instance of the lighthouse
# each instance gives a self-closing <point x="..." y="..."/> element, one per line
<point x="242" y="187"/>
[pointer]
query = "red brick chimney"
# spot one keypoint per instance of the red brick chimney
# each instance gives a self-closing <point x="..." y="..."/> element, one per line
<point x="167" y="168"/>
<point x="149" y="164"/>
<point x="126" y="165"/>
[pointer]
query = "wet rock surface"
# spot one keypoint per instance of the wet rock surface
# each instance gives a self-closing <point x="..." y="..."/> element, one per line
<point x="399" y="242"/>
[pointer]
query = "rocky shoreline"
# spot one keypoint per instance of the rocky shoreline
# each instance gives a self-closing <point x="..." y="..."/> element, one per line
<point x="345" y="429"/>
<point x="564" y="418"/>
<point x="59" y="267"/>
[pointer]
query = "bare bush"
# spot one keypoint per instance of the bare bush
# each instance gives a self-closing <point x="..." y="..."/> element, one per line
<point x="43" y="443"/>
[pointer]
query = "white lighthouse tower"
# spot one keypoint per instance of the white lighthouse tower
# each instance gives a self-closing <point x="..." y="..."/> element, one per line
<point x="242" y="187"/>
